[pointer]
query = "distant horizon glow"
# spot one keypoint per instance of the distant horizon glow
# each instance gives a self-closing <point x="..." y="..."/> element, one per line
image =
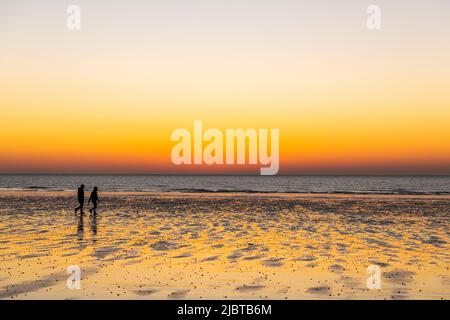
<point x="105" y="99"/>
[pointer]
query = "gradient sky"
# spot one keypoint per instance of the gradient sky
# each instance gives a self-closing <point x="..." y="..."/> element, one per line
<point x="105" y="99"/>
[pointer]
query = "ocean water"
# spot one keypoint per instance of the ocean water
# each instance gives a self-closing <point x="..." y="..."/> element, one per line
<point x="212" y="183"/>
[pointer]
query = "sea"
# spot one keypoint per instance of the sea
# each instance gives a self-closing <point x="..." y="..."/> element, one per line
<point x="407" y="185"/>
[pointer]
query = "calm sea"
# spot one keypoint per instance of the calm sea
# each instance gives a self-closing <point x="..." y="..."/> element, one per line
<point x="211" y="183"/>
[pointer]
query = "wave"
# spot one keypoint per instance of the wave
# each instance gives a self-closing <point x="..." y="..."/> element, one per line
<point x="37" y="187"/>
<point x="394" y="191"/>
<point x="34" y="188"/>
<point x="362" y="192"/>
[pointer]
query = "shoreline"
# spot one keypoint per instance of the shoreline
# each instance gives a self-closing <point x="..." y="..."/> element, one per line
<point x="178" y="194"/>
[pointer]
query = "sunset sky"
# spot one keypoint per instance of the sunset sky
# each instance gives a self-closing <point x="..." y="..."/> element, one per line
<point x="105" y="99"/>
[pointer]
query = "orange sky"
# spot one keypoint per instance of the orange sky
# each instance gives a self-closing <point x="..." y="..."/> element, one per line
<point x="106" y="98"/>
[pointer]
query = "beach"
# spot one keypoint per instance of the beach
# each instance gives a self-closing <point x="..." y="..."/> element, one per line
<point x="174" y="245"/>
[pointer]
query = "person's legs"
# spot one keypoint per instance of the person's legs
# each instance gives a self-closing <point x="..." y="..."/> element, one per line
<point x="94" y="203"/>
<point x="95" y="207"/>
<point x="80" y="207"/>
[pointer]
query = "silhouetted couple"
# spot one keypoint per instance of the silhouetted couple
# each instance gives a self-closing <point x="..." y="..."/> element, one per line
<point x="93" y="198"/>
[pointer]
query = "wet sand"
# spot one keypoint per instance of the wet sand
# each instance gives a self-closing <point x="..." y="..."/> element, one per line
<point x="224" y="246"/>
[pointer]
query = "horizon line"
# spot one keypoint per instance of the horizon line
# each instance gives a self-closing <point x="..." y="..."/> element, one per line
<point x="225" y="174"/>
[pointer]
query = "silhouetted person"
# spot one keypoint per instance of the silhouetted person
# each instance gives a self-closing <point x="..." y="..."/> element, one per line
<point x="80" y="199"/>
<point x="94" y="199"/>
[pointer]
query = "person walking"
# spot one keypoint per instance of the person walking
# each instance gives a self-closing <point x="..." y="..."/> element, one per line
<point x="94" y="199"/>
<point x="80" y="199"/>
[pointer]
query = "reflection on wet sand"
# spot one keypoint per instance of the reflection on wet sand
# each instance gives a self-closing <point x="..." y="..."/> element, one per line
<point x="94" y="225"/>
<point x="189" y="246"/>
<point x="80" y="226"/>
